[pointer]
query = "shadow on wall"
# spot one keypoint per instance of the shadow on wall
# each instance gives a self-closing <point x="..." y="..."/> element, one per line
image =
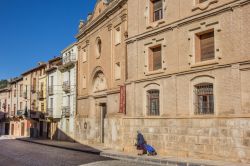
<point x="62" y="136"/>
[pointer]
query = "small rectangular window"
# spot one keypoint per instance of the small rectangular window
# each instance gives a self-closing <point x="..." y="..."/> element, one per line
<point x="205" y="49"/>
<point x="155" y="59"/>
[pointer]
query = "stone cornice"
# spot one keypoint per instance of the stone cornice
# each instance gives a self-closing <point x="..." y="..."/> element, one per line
<point x="114" y="6"/>
<point x="176" y="24"/>
<point x="191" y="71"/>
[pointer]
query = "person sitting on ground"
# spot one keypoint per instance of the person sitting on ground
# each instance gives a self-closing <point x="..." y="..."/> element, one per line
<point x="140" y="144"/>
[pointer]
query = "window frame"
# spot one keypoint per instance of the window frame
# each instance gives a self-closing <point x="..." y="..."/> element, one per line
<point x="150" y="100"/>
<point x="198" y="51"/>
<point x="151" y="62"/>
<point x="202" y="91"/>
<point x="153" y="11"/>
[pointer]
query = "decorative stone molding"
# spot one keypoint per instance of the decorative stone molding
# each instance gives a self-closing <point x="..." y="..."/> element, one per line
<point x="149" y="24"/>
<point x="204" y="5"/>
<point x="146" y="88"/>
<point x="151" y="43"/>
<point x="198" y="80"/>
<point x="202" y="27"/>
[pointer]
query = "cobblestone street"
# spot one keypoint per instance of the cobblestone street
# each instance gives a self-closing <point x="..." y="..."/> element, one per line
<point x="18" y="153"/>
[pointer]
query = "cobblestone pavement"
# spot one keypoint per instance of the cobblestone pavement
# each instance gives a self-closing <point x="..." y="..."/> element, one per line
<point x="18" y="153"/>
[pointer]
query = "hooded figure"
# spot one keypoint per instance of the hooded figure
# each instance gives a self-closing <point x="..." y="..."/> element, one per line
<point x="140" y="144"/>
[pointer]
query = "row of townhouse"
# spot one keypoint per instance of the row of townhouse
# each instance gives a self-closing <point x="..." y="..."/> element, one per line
<point x="178" y="71"/>
<point x="40" y="103"/>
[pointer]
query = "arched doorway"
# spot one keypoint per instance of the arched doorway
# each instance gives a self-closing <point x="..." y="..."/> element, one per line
<point x="99" y="87"/>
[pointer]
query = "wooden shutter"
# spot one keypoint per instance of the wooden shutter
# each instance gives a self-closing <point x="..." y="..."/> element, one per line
<point x="157" y="64"/>
<point x="207" y="46"/>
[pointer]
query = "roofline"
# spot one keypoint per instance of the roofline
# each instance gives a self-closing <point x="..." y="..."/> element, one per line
<point x="17" y="79"/>
<point x="55" y="59"/>
<point x="34" y="69"/>
<point x="68" y="47"/>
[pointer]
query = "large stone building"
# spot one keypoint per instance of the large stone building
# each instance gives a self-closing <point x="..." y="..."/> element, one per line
<point x="188" y="73"/>
<point x="186" y="66"/>
<point x="101" y="73"/>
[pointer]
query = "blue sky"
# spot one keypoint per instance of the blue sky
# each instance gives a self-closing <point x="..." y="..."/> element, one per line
<point x="37" y="30"/>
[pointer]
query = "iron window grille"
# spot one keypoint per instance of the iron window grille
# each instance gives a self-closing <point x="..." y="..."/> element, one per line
<point x="153" y="102"/>
<point x="204" y="99"/>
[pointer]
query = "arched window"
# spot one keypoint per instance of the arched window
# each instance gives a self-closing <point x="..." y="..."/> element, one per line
<point x="98" y="47"/>
<point x="153" y="102"/>
<point x="204" y="98"/>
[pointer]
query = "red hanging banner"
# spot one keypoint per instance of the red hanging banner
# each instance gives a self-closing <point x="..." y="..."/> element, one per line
<point x="122" y="99"/>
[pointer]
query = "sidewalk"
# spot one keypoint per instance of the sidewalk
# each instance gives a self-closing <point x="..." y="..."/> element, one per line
<point x="156" y="160"/>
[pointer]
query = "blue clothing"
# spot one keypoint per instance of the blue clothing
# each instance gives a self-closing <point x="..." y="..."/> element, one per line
<point x="149" y="148"/>
<point x="140" y="140"/>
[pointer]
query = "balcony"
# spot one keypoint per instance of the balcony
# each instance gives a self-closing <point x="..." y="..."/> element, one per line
<point x="49" y="113"/>
<point x="36" y="115"/>
<point x="68" y="62"/>
<point x="51" y="90"/>
<point x="20" y="113"/>
<point x="40" y="95"/>
<point x="66" y="111"/>
<point x="67" y="59"/>
<point x="66" y="86"/>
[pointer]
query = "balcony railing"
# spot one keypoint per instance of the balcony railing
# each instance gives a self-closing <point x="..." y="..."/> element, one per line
<point x="66" y="86"/>
<point x="66" y="111"/>
<point x="50" y="90"/>
<point x="49" y="112"/>
<point x="71" y="58"/>
<point x="40" y="95"/>
<point x="20" y="112"/>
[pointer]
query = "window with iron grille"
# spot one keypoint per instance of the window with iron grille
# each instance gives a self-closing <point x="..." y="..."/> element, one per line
<point x="153" y="102"/>
<point x="204" y="99"/>
<point x="156" y="7"/>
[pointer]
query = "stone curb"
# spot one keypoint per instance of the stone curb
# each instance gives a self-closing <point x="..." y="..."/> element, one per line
<point x="156" y="161"/>
<point x="62" y="147"/>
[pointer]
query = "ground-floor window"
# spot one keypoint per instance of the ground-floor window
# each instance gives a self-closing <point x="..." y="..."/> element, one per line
<point x="204" y="98"/>
<point x="153" y="102"/>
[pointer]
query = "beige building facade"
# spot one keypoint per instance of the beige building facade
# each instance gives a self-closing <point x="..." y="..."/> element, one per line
<point x="186" y="70"/>
<point x="101" y="73"/>
<point x="188" y="74"/>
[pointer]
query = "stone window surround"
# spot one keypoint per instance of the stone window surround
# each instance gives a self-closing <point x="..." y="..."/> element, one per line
<point x="98" y="53"/>
<point x="198" y="80"/>
<point x="197" y="29"/>
<point x="146" y="88"/>
<point x="116" y="41"/>
<point x="84" y="53"/>
<point x="154" y="42"/>
<point x="202" y="6"/>
<point x="147" y="15"/>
